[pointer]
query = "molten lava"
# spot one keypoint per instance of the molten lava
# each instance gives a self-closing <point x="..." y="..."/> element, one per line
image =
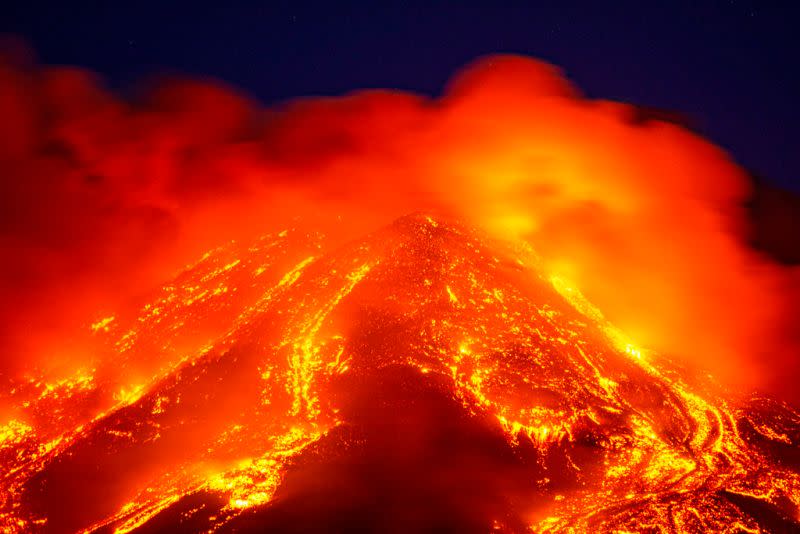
<point x="424" y="377"/>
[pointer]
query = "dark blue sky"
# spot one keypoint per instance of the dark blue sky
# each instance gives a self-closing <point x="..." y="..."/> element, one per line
<point x="731" y="65"/>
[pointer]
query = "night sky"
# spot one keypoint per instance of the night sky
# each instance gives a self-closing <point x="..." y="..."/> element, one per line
<point x="730" y="66"/>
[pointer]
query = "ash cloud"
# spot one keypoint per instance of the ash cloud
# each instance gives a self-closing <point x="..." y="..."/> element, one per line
<point x="103" y="197"/>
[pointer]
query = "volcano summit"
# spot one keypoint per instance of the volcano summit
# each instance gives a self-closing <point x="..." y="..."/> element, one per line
<point x="422" y="378"/>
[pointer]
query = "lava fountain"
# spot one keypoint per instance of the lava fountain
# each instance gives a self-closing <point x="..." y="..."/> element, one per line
<point x="509" y="309"/>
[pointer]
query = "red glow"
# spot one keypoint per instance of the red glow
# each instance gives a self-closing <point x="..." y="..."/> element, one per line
<point x="289" y="353"/>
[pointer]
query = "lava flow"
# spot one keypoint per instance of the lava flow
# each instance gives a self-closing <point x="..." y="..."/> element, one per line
<point x="424" y="377"/>
<point x="508" y="308"/>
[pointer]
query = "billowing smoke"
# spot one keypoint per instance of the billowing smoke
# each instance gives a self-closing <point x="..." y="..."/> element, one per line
<point x="103" y="197"/>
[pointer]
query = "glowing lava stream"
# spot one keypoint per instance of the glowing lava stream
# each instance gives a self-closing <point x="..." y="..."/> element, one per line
<point x="260" y="362"/>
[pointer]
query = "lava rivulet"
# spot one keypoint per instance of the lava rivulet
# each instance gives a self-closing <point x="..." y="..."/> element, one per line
<point x="425" y="376"/>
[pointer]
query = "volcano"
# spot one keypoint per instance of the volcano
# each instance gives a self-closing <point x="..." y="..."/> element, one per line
<point x="425" y="377"/>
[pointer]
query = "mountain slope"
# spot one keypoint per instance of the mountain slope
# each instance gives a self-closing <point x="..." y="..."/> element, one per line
<point x="423" y="377"/>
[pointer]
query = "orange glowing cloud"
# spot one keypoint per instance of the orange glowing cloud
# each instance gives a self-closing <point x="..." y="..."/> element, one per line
<point x="102" y="198"/>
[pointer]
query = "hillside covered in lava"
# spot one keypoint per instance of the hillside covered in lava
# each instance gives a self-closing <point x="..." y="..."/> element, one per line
<point x="507" y="307"/>
<point x="424" y="377"/>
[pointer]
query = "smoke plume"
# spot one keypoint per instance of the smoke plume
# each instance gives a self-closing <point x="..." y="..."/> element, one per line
<point x="103" y="197"/>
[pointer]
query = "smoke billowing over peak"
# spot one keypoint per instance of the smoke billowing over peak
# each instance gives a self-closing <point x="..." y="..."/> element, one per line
<point x="104" y="197"/>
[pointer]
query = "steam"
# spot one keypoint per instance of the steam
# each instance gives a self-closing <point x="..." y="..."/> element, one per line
<point x="103" y="197"/>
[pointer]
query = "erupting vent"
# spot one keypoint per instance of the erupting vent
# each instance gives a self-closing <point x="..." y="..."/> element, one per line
<point x="422" y="378"/>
